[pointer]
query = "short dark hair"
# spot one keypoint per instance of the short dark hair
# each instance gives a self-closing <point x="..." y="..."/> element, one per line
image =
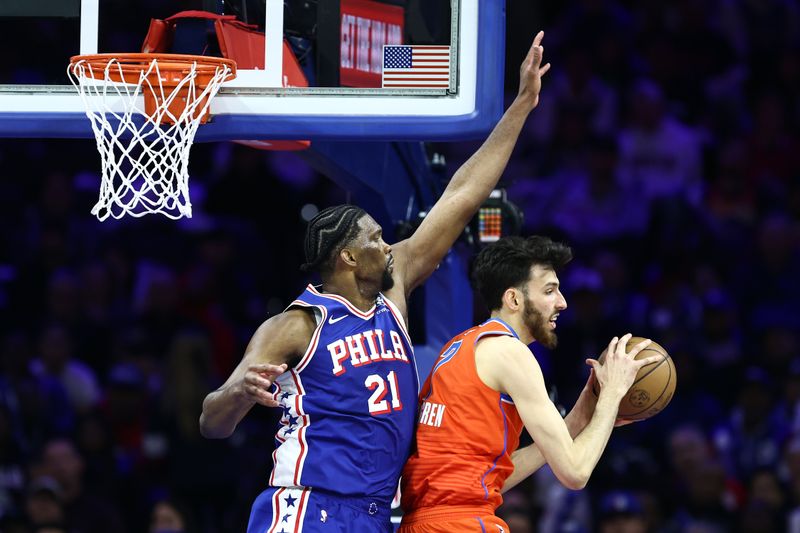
<point x="507" y="263"/>
<point x="327" y="233"/>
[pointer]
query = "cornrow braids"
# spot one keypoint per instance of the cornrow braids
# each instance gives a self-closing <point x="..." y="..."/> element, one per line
<point x="327" y="233"/>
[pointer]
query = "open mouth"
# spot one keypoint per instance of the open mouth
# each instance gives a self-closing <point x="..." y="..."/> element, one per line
<point x="552" y="321"/>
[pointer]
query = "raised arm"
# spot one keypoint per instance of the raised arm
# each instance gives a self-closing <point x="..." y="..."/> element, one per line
<point x="273" y="346"/>
<point x="417" y="257"/>
<point x="516" y="372"/>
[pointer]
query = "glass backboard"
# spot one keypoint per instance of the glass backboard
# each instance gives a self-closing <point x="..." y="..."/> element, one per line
<point x="341" y="69"/>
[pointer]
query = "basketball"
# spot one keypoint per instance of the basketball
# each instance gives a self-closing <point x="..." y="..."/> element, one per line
<point x="654" y="385"/>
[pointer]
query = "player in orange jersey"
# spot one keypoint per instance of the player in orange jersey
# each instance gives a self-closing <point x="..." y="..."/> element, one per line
<point x="486" y="384"/>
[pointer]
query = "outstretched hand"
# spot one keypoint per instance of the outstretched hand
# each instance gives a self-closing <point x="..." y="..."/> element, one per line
<point x="257" y="383"/>
<point x="531" y="72"/>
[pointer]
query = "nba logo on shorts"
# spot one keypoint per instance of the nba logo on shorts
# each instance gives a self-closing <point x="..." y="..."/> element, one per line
<point x="501" y="528"/>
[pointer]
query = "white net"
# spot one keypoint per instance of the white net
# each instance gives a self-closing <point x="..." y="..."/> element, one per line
<point x="144" y="152"/>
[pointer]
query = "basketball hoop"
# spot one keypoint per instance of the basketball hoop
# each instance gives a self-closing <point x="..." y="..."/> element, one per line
<point x="145" y="110"/>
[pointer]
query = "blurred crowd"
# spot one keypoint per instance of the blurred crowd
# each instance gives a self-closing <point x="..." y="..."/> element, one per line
<point x="665" y="151"/>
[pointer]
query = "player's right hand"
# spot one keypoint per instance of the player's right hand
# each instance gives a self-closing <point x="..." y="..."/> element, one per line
<point x="258" y="380"/>
<point x="619" y="368"/>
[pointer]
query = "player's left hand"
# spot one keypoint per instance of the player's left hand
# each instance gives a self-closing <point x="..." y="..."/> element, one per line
<point x="531" y="72"/>
<point x="258" y="380"/>
<point x="587" y="400"/>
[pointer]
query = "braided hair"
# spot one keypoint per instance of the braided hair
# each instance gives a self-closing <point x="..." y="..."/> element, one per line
<point x="327" y="233"/>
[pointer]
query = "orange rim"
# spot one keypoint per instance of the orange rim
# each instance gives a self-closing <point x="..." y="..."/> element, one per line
<point x="136" y="63"/>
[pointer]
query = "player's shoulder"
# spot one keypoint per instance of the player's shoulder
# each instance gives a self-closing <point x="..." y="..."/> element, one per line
<point x="499" y="358"/>
<point x="294" y="322"/>
<point x="282" y="337"/>
<point x="497" y="340"/>
<point x="506" y="351"/>
<point x="297" y="318"/>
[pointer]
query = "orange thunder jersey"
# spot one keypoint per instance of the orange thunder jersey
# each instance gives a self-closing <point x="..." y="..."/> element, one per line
<point x="466" y="432"/>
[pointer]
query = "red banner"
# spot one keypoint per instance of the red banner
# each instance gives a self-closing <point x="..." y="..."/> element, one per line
<point x="365" y="27"/>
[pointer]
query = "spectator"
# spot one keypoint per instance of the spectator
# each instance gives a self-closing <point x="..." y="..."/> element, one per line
<point x="755" y="432"/>
<point x="575" y="89"/>
<point x="44" y="503"/>
<point x="765" y="488"/>
<point x="593" y="206"/>
<point x="621" y="512"/>
<point x="84" y="510"/>
<point x="38" y="404"/>
<point x="659" y="155"/>
<point x="170" y="516"/>
<point x="705" y="505"/>
<point x="56" y="361"/>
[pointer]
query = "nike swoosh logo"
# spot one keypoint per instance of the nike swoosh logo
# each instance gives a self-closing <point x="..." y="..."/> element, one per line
<point x="332" y="320"/>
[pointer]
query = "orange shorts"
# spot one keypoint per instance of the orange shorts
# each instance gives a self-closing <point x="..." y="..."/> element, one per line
<point x="454" y="520"/>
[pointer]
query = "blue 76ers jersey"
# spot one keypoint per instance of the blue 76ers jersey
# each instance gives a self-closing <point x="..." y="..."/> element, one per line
<point x="349" y="406"/>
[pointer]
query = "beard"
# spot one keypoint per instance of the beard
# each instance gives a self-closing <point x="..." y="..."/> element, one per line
<point x="539" y="327"/>
<point x="387" y="281"/>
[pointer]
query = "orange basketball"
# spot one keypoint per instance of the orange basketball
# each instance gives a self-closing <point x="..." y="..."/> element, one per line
<point x="654" y="385"/>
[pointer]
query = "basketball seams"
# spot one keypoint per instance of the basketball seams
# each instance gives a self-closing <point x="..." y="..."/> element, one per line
<point x="669" y="379"/>
<point x="663" y="360"/>
<point x="666" y="386"/>
<point x="654" y="402"/>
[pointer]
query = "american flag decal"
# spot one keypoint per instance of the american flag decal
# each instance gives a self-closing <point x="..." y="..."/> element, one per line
<point x="416" y="66"/>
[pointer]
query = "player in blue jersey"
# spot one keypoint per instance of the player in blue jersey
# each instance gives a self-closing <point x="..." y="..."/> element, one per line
<point x="340" y="357"/>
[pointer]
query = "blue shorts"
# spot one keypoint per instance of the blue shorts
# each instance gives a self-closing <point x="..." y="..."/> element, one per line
<point x="303" y="510"/>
